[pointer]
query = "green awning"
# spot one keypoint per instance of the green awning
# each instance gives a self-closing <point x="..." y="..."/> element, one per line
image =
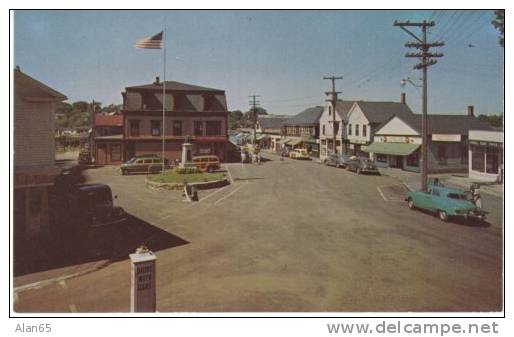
<point x="395" y="149"/>
<point x="294" y="142"/>
<point x="283" y="141"/>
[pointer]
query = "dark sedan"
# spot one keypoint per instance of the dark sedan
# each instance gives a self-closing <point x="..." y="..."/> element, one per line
<point x="361" y="165"/>
<point x="337" y="160"/>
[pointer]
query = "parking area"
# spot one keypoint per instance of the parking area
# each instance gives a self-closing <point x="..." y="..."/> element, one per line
<point x="292" y="236"/>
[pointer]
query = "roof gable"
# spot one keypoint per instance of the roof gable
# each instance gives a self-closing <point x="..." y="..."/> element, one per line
<point x="29" y="87"/>
<point x="396" y="126"/>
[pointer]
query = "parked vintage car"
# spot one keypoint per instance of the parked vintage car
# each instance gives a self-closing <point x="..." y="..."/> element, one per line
<point x="93" y="205"/>
<point x="299" y="154"/>
<point x="79" y="212"/>
<point x="361" y="165"/>
<point x="144" y="164"/>
<point x="337" y="160"/>
<point x="446" y="202"/>
<point x="207" y="163"/>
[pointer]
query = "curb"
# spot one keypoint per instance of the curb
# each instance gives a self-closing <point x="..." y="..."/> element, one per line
<point x="47" y="282"/>
<point x="179" y="186"/>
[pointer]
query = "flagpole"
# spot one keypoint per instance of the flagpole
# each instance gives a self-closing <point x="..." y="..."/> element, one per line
<point x="163" y="99"/>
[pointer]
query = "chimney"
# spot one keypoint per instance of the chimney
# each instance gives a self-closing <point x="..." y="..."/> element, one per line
<point x="402" y="98"/>
<point x="471" y="111"/>
<point x="156" y="80"/>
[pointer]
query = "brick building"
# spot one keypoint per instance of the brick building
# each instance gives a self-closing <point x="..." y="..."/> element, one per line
<point x="34" y="153"/>
<point x="193" y="113"/>
<point x="107" y="139"/>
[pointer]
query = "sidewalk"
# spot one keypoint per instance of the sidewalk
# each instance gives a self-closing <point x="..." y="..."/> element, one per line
<point x="412" y="180"/>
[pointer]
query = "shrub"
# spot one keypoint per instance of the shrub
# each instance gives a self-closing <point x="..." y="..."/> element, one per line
<point x="186" y="170"/>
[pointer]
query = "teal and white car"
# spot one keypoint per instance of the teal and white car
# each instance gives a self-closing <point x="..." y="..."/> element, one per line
<point x="446" y="202"/>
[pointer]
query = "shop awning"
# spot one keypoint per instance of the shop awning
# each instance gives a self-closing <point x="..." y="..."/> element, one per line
<point x="310" y="140"/>
<point x="283" y="141"/>
<point x="395" y="149"/>
<point x="261" y="137"/>
<point x="294" y="142"/>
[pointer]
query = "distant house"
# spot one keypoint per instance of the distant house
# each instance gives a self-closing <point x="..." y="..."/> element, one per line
<point x="326" y="128"/>
<point x="365" y="117"/>
<point x="269" y="130"/>
<point x="107" y="139"/>
<point x="397" y="142"/>
<point x="34" y="153"/>
<point x="193" y="113"/>
<point x="302" y="131"/>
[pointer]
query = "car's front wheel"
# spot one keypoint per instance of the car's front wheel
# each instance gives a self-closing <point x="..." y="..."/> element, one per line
<point x="410" y="203"/>
<point x="443" y="215"/>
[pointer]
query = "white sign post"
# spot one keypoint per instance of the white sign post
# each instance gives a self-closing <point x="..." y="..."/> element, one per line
<point x="142" y="285"/>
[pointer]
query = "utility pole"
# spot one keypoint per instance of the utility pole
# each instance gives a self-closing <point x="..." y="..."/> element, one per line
<point x="254" y="103"/>
<point x="427" y="59"/>
<point x="333" y="99"/>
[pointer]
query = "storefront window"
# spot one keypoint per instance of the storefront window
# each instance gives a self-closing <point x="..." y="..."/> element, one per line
<point x="441" y="154"/>
<point x="477" y="160"/>
<point x="413" y="159"/>
<point x="492" y="160"/>
<point x="381" y="158"/>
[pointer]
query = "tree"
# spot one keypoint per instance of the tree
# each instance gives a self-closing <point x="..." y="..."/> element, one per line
<point x="248" y="117"/>
<point x="80" y="106"/>
<point x="499" y="24"/>
<point x="493" y="120"/>
<point x="234" y="119"/>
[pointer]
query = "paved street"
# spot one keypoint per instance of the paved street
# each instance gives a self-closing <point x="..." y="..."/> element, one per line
<point x="291" y="236"/>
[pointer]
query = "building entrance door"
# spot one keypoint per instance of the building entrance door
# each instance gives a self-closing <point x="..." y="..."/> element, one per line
<point x="397" y="162"/>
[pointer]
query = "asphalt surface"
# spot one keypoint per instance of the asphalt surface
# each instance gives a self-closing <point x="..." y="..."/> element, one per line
<point x="290" y="236"/>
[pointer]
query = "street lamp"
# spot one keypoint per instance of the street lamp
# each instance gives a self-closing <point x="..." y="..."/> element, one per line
<point x="404" y="81"/>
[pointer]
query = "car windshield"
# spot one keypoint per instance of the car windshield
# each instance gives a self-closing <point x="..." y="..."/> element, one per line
<point x="457" y="196"/>
<point x="131" y="160"/>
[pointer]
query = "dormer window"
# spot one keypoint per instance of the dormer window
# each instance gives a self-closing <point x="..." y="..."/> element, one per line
<point x="211" y="103"/>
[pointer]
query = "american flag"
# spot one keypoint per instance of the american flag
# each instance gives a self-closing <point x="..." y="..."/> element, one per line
<point x="154" y="42"/>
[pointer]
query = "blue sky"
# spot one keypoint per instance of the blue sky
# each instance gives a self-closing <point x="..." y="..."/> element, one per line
<point x="280" y="55"/>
